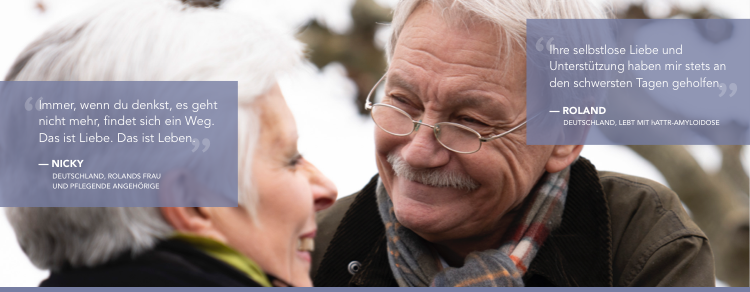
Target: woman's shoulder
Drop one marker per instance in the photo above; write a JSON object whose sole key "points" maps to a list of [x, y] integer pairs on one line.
{"points": [[172, 263]]}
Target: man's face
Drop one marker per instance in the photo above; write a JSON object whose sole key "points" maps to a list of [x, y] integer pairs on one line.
{"points": [[443, 72]]}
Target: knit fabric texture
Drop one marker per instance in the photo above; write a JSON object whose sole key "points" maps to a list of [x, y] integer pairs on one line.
{"points": [[415, 264]]}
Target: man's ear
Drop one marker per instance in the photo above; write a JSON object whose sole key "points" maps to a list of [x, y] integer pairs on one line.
{"points": [[562, 156], [177, 188]]}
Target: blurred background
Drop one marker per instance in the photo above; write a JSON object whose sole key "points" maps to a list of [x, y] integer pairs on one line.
{"points": [[345, 41]]}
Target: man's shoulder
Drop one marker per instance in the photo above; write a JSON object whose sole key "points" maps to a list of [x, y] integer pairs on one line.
{"points": [[631, 197], [328, 222], [649, 224], [330, 218]]}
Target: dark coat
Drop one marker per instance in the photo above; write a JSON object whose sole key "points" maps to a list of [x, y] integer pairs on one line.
{"points": [[172, 263], [616, 230]]}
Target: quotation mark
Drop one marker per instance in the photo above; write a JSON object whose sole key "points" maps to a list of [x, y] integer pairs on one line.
{"points": [[197, 143], [540, 47], [723, 88], [38, 104]]}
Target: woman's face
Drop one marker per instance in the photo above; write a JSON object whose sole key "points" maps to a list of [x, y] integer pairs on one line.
{"points": [[290, 191]]}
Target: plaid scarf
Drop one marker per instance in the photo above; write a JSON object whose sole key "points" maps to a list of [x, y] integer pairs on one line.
{"points": [[415, 264]]}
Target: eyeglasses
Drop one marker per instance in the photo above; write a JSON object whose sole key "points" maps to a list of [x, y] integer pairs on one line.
{"points": [[455, 137]]}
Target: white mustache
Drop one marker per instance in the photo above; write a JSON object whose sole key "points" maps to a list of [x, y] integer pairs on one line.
{"points": [[431, 177]]}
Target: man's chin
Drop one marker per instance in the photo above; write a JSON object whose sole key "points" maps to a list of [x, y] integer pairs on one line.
{"points": [[424, 219], [426, 210]]}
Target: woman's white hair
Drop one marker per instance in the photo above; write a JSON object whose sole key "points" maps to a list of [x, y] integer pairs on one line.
{"points": [[509, 16], [146, 40]]}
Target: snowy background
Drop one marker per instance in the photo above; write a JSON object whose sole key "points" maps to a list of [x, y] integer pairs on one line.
{"points": [[333, 135]]}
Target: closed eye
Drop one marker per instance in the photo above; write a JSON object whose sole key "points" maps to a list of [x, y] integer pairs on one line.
{"points": [[481, 127], [295, 160], [469, 121], [405, 104], [399, 101]]}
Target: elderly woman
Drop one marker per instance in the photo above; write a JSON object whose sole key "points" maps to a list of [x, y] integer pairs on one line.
{"points": [[266, 241]]}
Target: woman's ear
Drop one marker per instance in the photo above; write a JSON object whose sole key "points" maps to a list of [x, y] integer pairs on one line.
{"points": [[186, 219], [177, 188], [194, 220], [562, 156]]}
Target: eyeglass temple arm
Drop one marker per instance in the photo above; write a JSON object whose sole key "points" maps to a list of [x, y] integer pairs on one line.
{"points": [[368, 103], [508, 131]]}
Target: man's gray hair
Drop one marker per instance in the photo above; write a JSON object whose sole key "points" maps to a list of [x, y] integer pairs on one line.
{"points": [[146, 40], [507, 15]]}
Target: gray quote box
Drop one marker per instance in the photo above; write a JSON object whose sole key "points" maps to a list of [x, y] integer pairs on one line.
{"points": [[118, 144], [599, 82]]}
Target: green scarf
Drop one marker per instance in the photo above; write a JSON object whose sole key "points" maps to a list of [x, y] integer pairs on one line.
{"points": [[228, 255]]}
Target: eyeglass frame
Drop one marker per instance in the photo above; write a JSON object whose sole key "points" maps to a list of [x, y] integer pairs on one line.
{"points": [[369, 106]]}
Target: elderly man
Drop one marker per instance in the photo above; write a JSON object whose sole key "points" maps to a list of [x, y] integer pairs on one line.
{"points": [[461, 200]]}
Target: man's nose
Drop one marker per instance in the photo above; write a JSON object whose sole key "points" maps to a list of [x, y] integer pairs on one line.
{"points": [[424, 150], [323, 190]]}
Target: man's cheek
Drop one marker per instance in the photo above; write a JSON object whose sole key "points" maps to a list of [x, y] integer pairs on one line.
{"points": [[386, 144], [382, 144], [484, 170], [382, 148]]}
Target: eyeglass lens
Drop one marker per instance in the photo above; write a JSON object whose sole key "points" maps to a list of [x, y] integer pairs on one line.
{"points": [[452, 136]]}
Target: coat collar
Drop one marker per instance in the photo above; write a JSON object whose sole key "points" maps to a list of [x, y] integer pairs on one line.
{"points": [[577, 253], [360, 237]]}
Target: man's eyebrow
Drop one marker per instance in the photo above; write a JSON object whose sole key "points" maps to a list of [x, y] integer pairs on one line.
{"points": [[478, 102], [396, 81], [470, 101]]}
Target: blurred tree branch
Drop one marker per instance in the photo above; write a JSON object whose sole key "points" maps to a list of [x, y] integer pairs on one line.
{"points": [[356, 50], [719, 201], [718, 206], [731, 166]]}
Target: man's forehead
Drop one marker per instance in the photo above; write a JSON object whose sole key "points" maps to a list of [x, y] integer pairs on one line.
{"points": [[396, 80]]}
